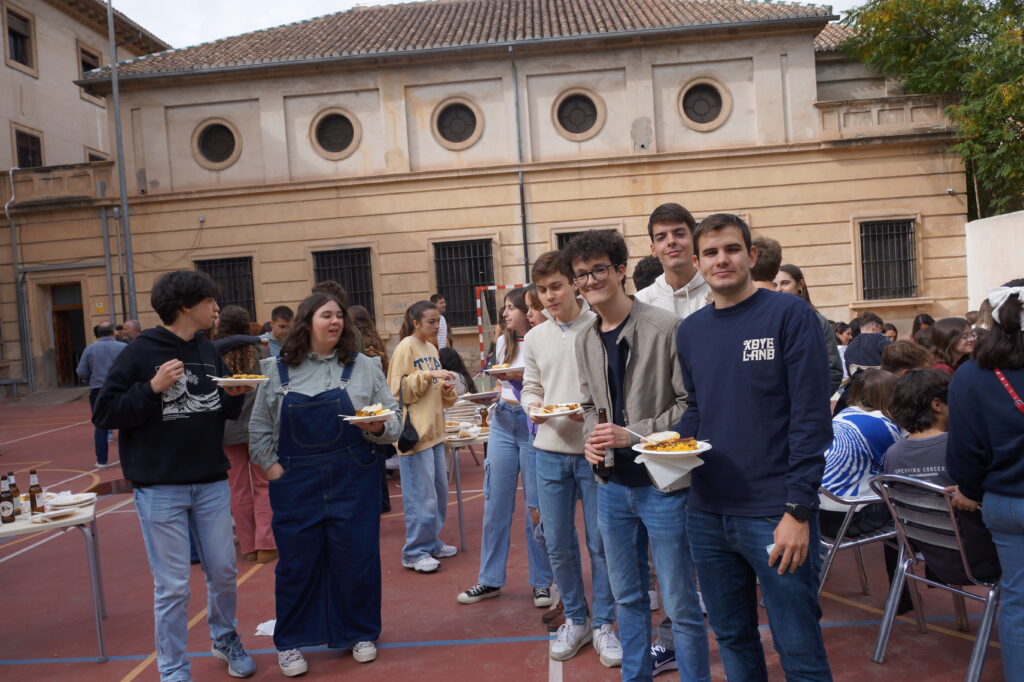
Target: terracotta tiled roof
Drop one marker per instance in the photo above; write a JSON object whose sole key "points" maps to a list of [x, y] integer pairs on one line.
{"points": [[93, 13], [831, 37], [440, 24]]}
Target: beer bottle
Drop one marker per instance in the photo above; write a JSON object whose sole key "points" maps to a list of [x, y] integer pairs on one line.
{"points": [[483, 418], [35, 494], [6, 503], [604, 471], [15, 492]]}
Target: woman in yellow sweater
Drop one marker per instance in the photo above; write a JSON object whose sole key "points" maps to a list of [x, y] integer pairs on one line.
{"points": [[415, 370]]}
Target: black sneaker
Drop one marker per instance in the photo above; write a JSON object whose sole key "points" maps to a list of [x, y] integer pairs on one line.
{"points": [[478, 593], [542, 597], [663, 659]]}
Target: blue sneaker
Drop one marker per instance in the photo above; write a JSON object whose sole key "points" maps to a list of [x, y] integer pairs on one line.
{"points": [[663, 659], [229, 649]]}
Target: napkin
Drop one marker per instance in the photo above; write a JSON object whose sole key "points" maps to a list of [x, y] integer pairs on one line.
{"points": [[666, 473], [266, 628]]}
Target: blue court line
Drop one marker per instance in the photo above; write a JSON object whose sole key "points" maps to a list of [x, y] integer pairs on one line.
{"points": [[412, 645]]}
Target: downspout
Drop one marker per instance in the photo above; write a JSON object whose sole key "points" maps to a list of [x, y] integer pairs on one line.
{"points": [[519, 173], [107, 264], [19, 294]]}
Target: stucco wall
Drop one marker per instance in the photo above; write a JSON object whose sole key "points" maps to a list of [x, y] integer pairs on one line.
{"points": [[995, 254]]}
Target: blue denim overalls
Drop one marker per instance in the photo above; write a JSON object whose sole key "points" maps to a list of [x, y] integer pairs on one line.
{"points": [[326, 523]]}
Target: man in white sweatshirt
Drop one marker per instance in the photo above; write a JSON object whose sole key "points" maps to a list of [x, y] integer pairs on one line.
{"points": [[680, 289], [563, 475]]}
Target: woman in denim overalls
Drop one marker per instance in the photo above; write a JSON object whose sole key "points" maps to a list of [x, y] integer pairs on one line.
{"points": [[324, 484]]}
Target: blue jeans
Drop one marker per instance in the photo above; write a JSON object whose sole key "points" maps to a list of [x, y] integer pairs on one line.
{"points": [[508, 452], [1004, 516], [562, 479], [424, 500], [731, 556], [166, 513], [99, 436], [628, 518]]}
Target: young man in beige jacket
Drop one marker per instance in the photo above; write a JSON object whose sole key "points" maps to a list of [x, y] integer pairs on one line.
{"points": [[563, 474]]}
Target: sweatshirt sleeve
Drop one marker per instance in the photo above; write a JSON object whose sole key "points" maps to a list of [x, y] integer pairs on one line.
{"points": [[533, 392], [417, 382], [968, 459], [126, 400], [810, 425], [689, 424]]}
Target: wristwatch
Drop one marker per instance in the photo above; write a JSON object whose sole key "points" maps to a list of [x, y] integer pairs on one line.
{"points": [[800, 512]]}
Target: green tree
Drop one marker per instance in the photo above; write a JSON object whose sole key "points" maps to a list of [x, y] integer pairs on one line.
{"points": [[973, 49]]}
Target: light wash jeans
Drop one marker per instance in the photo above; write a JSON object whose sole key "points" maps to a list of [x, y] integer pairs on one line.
{"points": [[166, 512], [424, 500], [629, 518], [562, 479], [731, 555], [509, 451], [1004, 516]]}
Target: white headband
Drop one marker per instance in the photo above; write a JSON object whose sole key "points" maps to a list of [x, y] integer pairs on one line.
{"points": [[998, 296]]}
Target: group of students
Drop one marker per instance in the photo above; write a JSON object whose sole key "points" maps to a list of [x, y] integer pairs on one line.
{"points": [[702, 351]]}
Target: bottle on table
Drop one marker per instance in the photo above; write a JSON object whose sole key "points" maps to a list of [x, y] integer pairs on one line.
{"points": [[605, 470], [15, 492], [36, 501], [483, 418], [6, 503]]}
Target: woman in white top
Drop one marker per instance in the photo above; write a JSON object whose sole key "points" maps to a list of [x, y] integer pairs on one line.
{"points": [[509, 451]]}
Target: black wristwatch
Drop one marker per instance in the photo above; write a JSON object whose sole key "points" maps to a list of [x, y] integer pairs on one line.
{"points": [[800, 512]]}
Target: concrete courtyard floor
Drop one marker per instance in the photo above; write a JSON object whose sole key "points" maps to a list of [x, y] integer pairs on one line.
{"points": [[47, 630]]}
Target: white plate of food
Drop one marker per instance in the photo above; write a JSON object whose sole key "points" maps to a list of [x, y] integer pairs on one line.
{"points": [[76, 500], [669, 444], [369, 414], [483, 398], [503, 369], [557, 410], [58, 513], [240, 380]]}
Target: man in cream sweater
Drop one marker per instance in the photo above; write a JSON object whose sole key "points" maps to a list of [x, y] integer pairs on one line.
{"points": [[563, 474]]}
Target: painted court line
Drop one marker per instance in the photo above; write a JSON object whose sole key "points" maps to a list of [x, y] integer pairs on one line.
{"points": [[43, 433], [59, 532]]}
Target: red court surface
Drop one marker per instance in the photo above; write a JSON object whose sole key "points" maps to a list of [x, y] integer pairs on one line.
{"points": [[47, 630]]}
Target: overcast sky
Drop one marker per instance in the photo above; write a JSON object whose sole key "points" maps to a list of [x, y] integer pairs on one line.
{"points": [[190, 22]]}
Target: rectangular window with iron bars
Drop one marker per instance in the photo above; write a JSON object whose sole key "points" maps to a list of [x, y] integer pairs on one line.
{"points": [[460, 267], [888, 253], [234, 277], [351, 269]]}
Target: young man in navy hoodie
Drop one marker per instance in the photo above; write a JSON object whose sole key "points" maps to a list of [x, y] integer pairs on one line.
{"points": [[756, 374], [171, 414]]}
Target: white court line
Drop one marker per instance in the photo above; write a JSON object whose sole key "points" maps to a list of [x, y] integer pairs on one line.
{"points": [[554, 667], [61, 531], [84, 473], [43, 433]]}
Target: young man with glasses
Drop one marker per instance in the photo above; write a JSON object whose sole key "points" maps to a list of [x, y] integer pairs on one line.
{"points": [[757, 386], [628, 367], [563, 474]]}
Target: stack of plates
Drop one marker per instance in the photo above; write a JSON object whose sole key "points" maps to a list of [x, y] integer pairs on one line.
{"points": [[58, 506]]}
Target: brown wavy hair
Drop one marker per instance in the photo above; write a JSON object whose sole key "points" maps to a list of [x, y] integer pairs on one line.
{"points": [[944, 336], [373, 344], [234, 320], [300, 339]]}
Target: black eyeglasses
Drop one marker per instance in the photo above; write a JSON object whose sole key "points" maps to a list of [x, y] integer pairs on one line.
{"points": [[599, 273]]}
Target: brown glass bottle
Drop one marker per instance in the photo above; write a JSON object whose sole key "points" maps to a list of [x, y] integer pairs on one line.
{"points": [[15, 492], [604, 471], [6, 503], [483, 418], [35, 494]]}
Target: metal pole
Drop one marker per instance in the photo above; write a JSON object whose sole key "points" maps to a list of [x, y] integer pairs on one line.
{"points": [[122, 182], [106, 262], [24, 338], [519, 174]]}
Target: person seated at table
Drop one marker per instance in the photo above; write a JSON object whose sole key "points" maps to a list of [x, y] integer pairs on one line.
{"points": [[324, 484], [452, 361]]}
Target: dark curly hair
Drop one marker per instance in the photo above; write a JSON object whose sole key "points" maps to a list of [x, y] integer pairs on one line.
{"points": [[647, 270], [180, 289], [912, 396], [300, 339], [1003, 346], [595, 244], [944, 336]]}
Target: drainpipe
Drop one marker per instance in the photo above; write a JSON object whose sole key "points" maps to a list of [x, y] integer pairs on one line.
{"points": [[19, 293], [122, 182], [106, 263], [519, 173]]}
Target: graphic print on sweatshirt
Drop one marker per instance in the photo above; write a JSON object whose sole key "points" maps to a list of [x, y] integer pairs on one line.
{"points": [[427, 364], [758, 349], [183, 397]]}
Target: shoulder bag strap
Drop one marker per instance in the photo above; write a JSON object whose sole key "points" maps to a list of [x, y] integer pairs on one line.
{"points": [[1009, 389]]}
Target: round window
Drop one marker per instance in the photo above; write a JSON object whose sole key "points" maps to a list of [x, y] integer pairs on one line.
{"points": [[217, 143], [456, 123], [577, 114], [702, 103], [335, 133]]}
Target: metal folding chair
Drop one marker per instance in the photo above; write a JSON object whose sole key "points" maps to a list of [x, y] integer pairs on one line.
{"points": [[840, 542], [923, 513]]}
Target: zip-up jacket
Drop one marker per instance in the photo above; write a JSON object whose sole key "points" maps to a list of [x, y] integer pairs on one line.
{"points": [[552, 376]]}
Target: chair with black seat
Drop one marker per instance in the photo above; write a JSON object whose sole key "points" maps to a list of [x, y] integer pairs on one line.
{"points": [[924, 518], [840, 542]]}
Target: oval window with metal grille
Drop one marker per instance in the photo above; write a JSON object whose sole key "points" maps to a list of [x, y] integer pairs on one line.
{"points": [[702, 103], [335, 133], [456, 123], [217, 143], [577, 114]]}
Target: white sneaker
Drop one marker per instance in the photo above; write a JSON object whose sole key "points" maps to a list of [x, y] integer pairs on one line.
{"points": [[445, 552], [607, 646], [569, 639], [292, 663], [425, 564], [364, 652]]}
